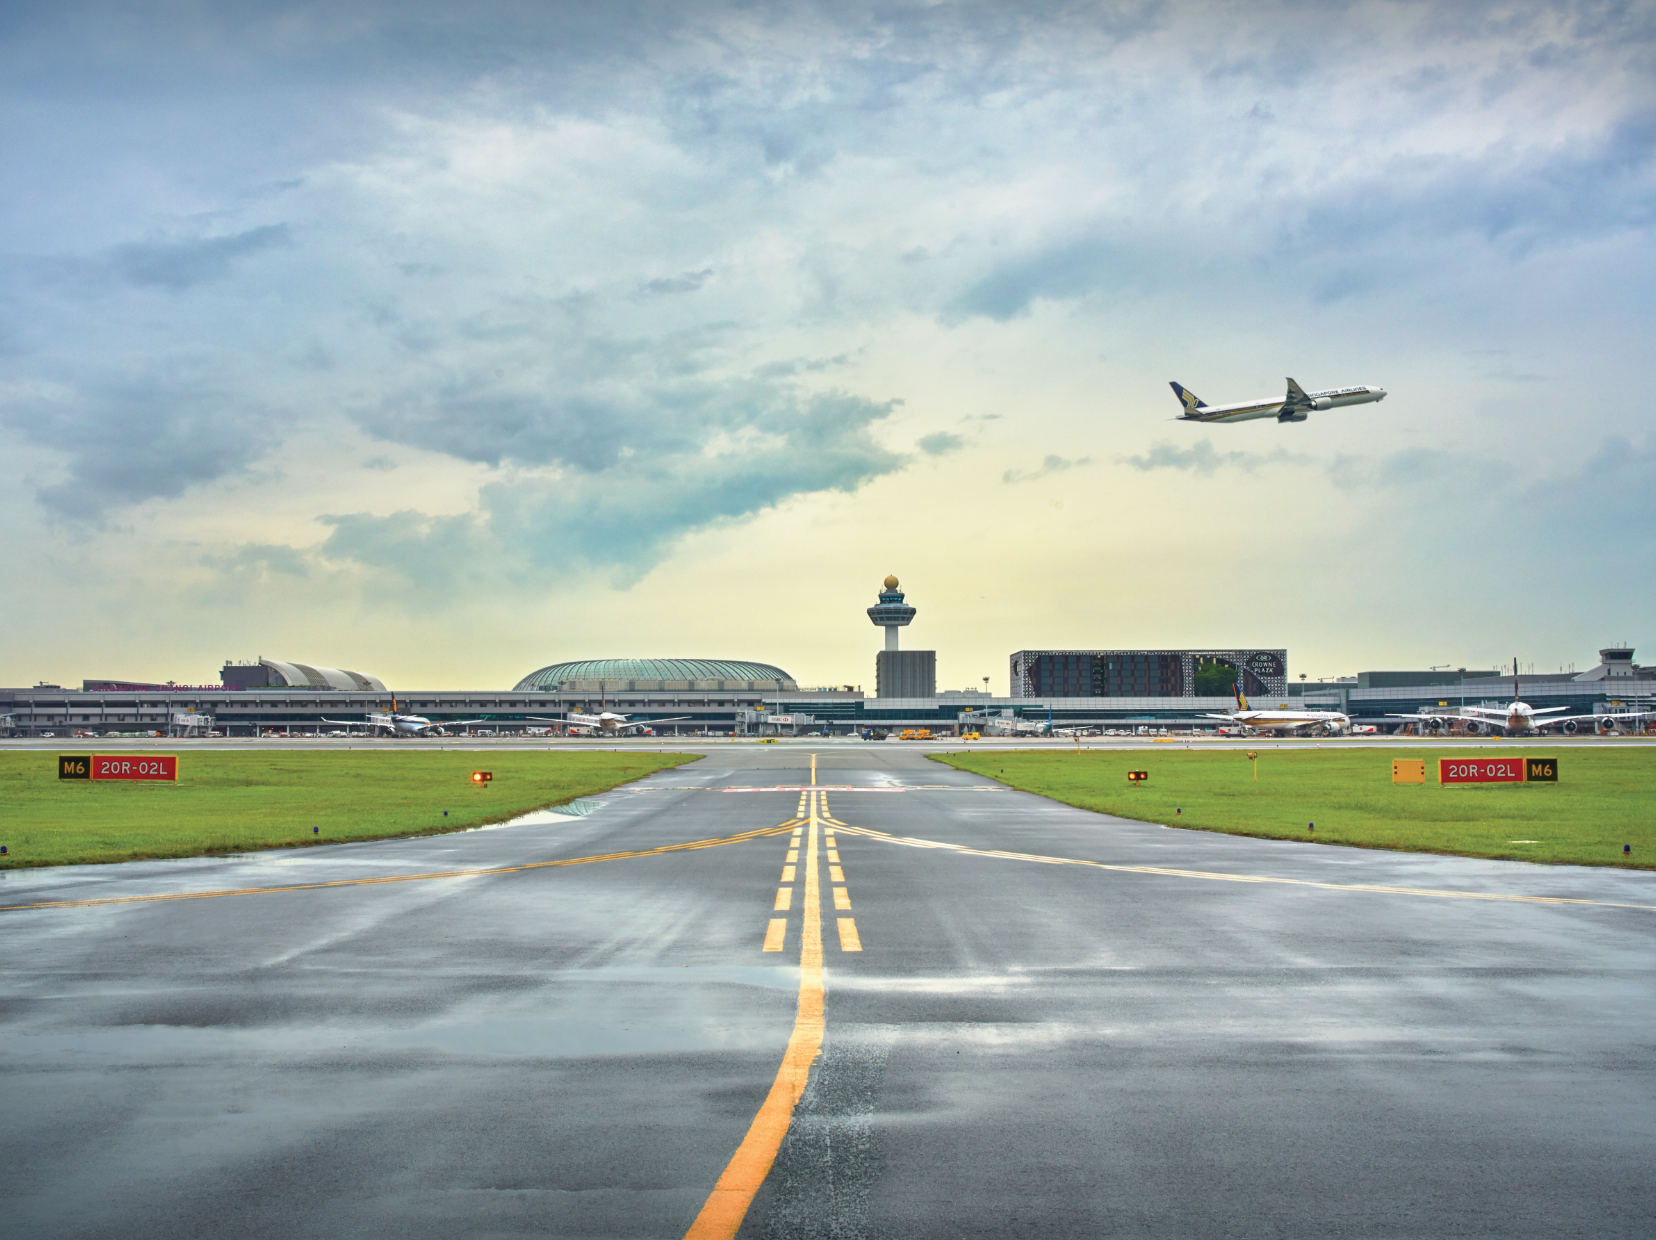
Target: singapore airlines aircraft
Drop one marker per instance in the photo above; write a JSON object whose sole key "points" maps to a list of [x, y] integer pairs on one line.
{"points": [[403, 725], [1332, 722], [1294, 407], [607, 722], [1517, 718]]}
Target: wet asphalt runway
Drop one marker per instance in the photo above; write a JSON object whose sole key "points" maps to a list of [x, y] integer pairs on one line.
{"points": [[1018, 1049]]}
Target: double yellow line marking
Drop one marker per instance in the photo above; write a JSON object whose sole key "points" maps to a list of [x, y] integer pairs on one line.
{"points": [[722, 1214]]}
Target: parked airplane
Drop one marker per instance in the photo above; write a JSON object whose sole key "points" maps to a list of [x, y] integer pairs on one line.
{"points": [[403, 725], [1294, 407], [1517, 717], [607, 722], [1332, 722]]}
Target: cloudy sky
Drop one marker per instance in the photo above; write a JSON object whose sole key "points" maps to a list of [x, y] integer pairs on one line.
{"points": [[445, 342]]}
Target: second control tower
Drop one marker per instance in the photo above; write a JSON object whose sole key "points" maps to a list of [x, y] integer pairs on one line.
{"points": [[900, 673]]}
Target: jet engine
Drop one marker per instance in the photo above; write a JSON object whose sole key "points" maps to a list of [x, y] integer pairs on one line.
{"points": [[1474, 728], [1292, 415], [1606, 727], [1325, 402], [1569, 727]]}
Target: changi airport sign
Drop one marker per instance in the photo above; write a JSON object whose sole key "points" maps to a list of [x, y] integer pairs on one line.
{"points": [[113, 766], [1497, 770]]}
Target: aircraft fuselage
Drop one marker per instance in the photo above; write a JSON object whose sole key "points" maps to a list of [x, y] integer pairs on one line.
{"points": [[1283, 410]]}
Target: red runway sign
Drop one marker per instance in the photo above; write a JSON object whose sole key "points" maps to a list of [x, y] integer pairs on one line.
{"points": [[1480, 770], [110, 766]]}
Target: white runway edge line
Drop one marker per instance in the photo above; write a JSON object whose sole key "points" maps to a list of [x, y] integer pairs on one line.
{"points": [[1215, 876]]}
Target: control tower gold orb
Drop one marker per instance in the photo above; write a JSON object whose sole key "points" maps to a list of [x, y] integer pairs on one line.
{"points": [[890, 613]]}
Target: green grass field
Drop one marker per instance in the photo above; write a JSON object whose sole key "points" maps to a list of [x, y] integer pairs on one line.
{"points": [[231, 802], [1605, 797]]}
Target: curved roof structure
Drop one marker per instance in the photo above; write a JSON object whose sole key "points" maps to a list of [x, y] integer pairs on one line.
{"points": [[304, 676], [687, 670]]}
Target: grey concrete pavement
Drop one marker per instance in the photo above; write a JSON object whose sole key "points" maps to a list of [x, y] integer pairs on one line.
{"points": [[1018, 1049]]}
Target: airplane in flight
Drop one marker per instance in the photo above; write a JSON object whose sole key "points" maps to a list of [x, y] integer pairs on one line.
{"points": [[1517, 717], [1294, 407], [404, 725], [1333, 722], [607, 722]]}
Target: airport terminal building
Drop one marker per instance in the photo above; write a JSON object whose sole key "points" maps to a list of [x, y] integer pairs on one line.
{"points": [[1104, 688], [716, 696]]}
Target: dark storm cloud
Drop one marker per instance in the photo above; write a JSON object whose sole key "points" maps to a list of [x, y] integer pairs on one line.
{"points": [[939, 443], [586, 400], [180, 264], [689, 282], [626, 518], [128, 439], [1069, 269]]}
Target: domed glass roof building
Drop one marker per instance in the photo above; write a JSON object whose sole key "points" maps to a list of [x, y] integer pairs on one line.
{"points": [[643, 674]]}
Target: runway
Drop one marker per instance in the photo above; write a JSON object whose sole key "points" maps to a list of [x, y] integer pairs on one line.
{"points": [[1000, 1016]]}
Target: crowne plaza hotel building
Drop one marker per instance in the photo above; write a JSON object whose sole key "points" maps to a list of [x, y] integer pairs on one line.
{"points": [[1148, 673]]}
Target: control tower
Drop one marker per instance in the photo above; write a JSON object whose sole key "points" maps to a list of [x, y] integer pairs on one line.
{"points": [[900, 673], [891, 613]]}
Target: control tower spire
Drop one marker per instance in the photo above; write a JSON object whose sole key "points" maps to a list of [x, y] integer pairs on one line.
{"points": [[891, 613]]}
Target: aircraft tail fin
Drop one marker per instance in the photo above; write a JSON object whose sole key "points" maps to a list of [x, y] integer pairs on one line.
{"points": [[1189, 399], [1241, 702]]}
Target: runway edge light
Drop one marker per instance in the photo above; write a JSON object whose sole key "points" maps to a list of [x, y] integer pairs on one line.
{"points": [[482, 777]]}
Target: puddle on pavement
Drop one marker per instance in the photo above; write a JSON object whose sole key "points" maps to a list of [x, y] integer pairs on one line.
{"points": [[574, 811], [615, 1010], [621, 1013]]}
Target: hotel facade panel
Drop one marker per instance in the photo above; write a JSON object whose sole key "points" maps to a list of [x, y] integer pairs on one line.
{"points": [[1148, 673]]}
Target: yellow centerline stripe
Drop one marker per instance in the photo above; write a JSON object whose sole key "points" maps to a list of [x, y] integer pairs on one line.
{"points": [[1214, 876], [849, 942], [722, 1214], [400, 878]]}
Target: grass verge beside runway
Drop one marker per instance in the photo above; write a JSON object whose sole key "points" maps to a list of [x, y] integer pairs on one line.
{"points": [[233, 802], [1605, 797]]}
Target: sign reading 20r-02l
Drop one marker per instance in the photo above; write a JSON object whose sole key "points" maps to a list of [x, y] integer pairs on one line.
{"points": [[116, 766], [1497, 770]]}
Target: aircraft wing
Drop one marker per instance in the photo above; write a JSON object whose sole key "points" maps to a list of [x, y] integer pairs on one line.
{"points": [[455, 723], [650, 723], [1603, 714], [1480, 713], [360, 723], [1296, 398], [572, 720]]}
